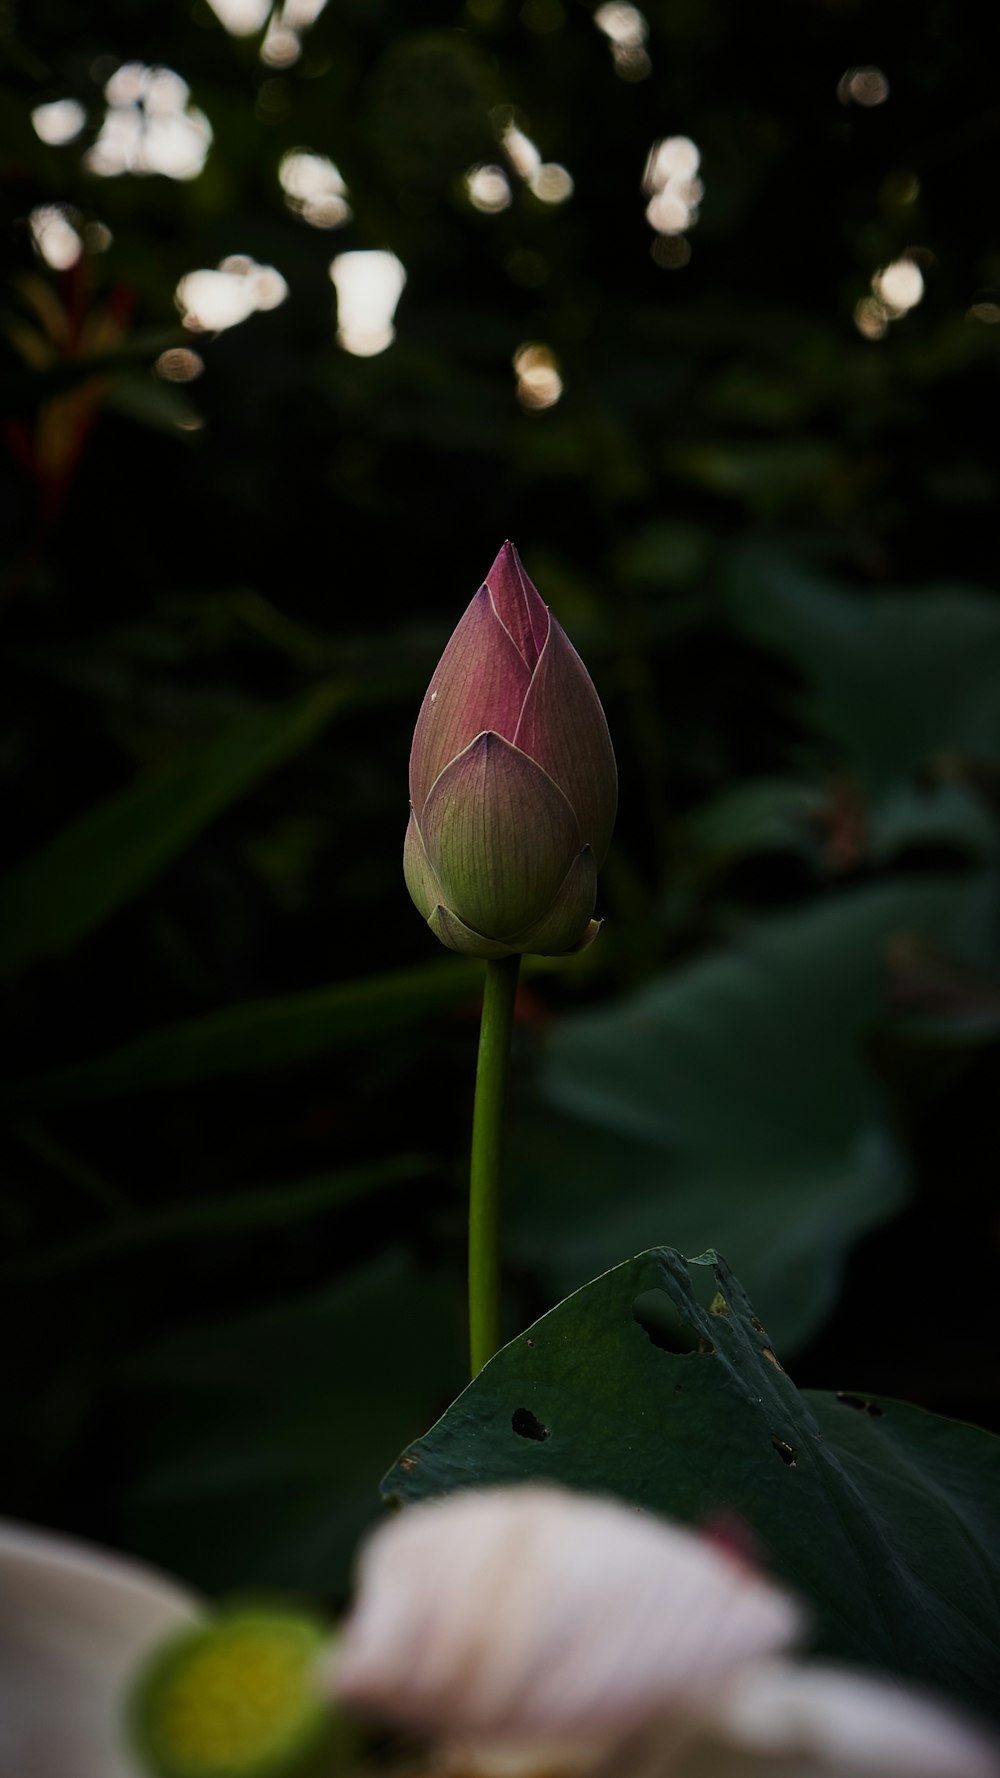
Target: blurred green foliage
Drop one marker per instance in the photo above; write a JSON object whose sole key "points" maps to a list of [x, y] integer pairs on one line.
{"points": [[236, 1119]]}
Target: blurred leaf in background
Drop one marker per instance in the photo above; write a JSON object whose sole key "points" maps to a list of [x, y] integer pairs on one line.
{"points": [[729, 1099], [338, 1379]]}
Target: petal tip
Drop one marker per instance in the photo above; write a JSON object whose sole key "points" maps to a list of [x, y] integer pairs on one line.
{"points": [[518, 604]]}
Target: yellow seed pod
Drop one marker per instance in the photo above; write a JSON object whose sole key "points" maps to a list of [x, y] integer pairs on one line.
{"points": [[236, 1698]]}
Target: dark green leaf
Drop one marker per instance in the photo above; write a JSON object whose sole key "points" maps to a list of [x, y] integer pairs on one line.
{"points": [[657, 1383], [764, 815], [239, 1213], [728, 1101], [91, 868], [943, 816], [895, 677], [258, 1035], [258, 1444]]}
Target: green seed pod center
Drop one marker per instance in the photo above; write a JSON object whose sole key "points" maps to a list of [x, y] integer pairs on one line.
{"points": [[236, 1699]]}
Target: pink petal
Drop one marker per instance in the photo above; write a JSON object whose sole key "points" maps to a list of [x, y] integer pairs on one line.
{"points": [[563, 727], [531, 1612], [518, 604], [478, 684], [500, 837]]}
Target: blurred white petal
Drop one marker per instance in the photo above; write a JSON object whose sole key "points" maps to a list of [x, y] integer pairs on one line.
{"points": [[532, 1613], [847, 1725], [74, 1623], [785, 1720]]}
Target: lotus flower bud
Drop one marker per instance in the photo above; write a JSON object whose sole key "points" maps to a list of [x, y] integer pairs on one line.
{"points": [[513, 786]]}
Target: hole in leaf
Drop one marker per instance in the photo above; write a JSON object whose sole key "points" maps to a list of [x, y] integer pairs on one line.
{"points": [[861, 1402], [718, 1305], [758, 1326], [785, 1451], [527, 1425], [664, 1325]]}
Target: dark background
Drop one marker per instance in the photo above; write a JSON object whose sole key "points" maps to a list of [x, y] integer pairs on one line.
{"points": [[238, 1097]]}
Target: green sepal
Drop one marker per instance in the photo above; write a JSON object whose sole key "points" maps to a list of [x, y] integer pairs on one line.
{"points": [[419, 873], [500, 836], [565, 927], [454, 933]]}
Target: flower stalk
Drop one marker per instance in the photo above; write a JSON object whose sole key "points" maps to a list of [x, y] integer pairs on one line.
{"points": [[513, 790], [485, 1173]]}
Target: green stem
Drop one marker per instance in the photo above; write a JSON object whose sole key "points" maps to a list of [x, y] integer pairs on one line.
{"points": [[487, 1159]]}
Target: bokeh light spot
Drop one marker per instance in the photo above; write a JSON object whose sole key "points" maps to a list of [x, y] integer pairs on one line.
{"points": [[54, 236], [863, 86], [488, 189], [626, 29], [179, 365], [871, 318], [899, 286], [552, 184], [314, 188], [539, 384], [670, 179], [524, 157], [282, 45], [59, 122], [150, 126], [211, 301], [369, 285], [241, 18]]}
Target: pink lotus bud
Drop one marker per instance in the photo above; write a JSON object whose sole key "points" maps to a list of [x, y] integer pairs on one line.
{"points": [[516, 1614], [513, 786]]}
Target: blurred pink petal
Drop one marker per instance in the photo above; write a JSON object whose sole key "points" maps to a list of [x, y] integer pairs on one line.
{"points": [[531, 1613]]}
